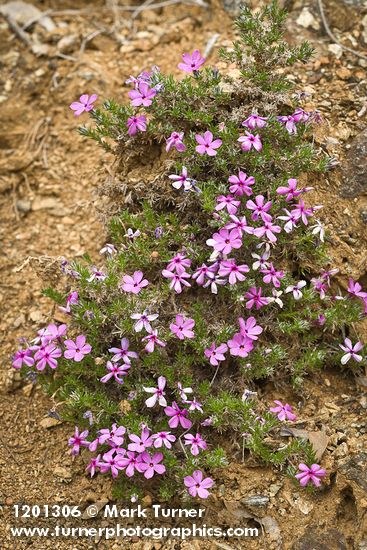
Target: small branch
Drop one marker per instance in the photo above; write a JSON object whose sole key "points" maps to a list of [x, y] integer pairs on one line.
{"points": [[13, 25]]}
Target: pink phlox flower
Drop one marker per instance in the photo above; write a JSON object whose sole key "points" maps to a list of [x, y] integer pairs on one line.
{"points": [[195, 405], [163, 438], [142, 95], [318, 229], [178, 416], [255, 298], [135, 124], [191, 62], [255, 121], [241, 184], [182, 327], [123, 352], [54, 332], [240, 345], [153, 340], [283, 412], [85, 104], [240, 224], [228, 202], [158, 394], [271, 275], [176, 140], [179, 263], [114, 437], [197, 485], [78, 440], [96, 275], [23, 356], [202, 273], [326, 274], [143, 320], [291, 191], [291, 219], [111, 461], [183, 392], [300, 211], [196, 442], [150, 465], [129, 463], [249, 141], [116, 371], [71, 300], [351, 351], [234, 272], [180, 180], [312, 474], [249, 328], [321, 286], [140, 444], [289, 122], [259, 208], [207, 144], [262, 260], [47, 355], [213, 284], [296, 289], [275, 298], [177, 280], [131, 234], [355, 289], [93, 465], [224, 241], [134, 283], [300, 115], [215, 353], [267, 230]]}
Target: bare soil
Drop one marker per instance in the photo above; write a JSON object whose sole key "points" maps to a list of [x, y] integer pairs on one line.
{"points": [[48, 176]]}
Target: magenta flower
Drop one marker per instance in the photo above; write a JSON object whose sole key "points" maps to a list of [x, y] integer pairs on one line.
{"points": [[267, 230], [240, 345], [135, 283], [176, 140], [249, 328], [142, 95], [262, 260], [302, 212], [47, 356], [158, 394], [228, 202], [135, 124], [76, 350], [225, 240], [150, 465], [179, 263], [355, 289], [178, 416], [77, 441], [250, 141], [291, 220], [140, 444], [182, 327], [289, 122], [234, 271], [259, 208], [197, 485], [207, 144], [271, 275], [215, 353], [191, 63], [291, 191], [123, 352], [93, 465], [240, 224], [23, 356], [312, 474], [296, 289], [116, 371], [283, 412], [202, 273], [111, 462], [255, 298], [129, 463], [84, 104], [152, 340], [255, 121], [163, 438], [351, 351], [71, 300], [113, 437], [177, 280], [241, 184], [143, 320], [196, 442], [183, 391]]}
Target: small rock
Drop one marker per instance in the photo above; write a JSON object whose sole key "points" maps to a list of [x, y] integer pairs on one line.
{"points": [[147, 501], [23, 13], [255, 500], [328, 540], [336, 50], [27, 390], [35, 316], [24, 205], [19, 321], [62, 473], [68, 44], [363, 215], [274, 489], [307, 20], [49, 422]]}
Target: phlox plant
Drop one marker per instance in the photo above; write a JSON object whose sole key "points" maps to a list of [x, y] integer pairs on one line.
{"points": [[215, 276]]}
